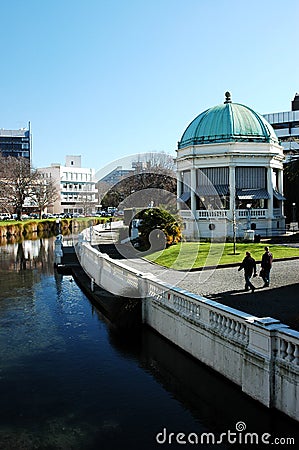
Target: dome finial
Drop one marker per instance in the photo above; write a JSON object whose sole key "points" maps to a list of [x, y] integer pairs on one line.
{"points": [[228, 98]]}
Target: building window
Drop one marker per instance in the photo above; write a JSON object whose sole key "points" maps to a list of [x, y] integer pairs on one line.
{"points": [[213, 175], [255, 204], [186, 179], [275, 179], [276, 203], [251, 177]]}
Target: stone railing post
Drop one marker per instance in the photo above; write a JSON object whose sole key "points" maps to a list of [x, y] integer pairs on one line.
{"points": [[258, 379], [143, 293]]}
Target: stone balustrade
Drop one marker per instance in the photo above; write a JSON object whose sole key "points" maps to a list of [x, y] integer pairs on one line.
{"points": [[230, 327], [288, 347], [259, 354]]}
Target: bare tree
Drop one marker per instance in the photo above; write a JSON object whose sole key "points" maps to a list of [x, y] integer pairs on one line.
{"points": [[44, 192], [17, 179], [85, 203], [102, 188], [152, 171], [158, 162], [5, 200]]}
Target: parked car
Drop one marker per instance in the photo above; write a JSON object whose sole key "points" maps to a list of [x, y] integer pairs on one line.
{"points": [[48, 216], [5, 216]]}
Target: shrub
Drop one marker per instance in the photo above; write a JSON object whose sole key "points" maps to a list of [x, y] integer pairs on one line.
{"points": [[158, 229]]}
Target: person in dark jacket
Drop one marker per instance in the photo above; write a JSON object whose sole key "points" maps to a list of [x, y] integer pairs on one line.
{"points": [[266, 266], [249, 266]]}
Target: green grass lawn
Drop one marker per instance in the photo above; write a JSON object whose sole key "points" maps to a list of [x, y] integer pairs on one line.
{"points": [[189, 255], [4, 223]]}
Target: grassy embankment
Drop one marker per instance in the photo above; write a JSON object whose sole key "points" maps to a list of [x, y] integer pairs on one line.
{"points": [[192, 255]]}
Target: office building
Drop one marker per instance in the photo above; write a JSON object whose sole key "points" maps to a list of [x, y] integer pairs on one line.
{"points": [[76, 186], [116, 175], [16, 143], [286, 126]]}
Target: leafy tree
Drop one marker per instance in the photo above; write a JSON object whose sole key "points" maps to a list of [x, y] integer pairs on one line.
{"points": [[158, 229], [291, 188]]}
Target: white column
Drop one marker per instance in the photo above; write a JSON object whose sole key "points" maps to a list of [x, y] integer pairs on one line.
{"points": [[193, 203], [232, 189], [270, 192], [193, 190], [179, 187], [280, 181], [280, 188], [232, 200]]}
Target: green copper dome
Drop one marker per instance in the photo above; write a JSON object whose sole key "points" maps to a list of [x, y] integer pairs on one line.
{"points": [[228, 122]]}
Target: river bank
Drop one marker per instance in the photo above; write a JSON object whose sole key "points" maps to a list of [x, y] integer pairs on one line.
{"points": [[13, 231]]}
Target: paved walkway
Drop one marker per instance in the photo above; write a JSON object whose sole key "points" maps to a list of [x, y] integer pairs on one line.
{"points": [[226, 286]]}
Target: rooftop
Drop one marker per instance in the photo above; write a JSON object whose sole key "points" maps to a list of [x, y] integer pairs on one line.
{"points": [[228, 122]]}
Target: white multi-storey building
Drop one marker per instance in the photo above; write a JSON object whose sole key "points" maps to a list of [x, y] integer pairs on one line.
{"points": [[76, 186]]}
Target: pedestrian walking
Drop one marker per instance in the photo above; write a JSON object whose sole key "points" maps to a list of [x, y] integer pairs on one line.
{"points": [[249, 266], [266, 266]]}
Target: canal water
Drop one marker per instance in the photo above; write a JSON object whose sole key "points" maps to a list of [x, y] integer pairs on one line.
{"points": [[69, 380]]}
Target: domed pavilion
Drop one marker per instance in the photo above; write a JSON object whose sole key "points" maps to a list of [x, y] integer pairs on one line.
{"points": [[230, 174]]}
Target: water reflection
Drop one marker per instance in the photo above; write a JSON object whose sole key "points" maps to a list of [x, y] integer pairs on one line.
{"points": [[22, 265], [27, 254]]}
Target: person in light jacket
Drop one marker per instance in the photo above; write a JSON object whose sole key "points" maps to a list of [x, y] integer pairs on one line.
{"points": [[266, 266]]}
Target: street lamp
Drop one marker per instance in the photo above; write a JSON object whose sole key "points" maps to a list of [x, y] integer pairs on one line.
{"points": [[294, 212], [248, 207], [234, 230]]}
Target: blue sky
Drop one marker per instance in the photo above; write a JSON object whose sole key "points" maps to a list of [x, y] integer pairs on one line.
{"points": [[109, 78]]}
